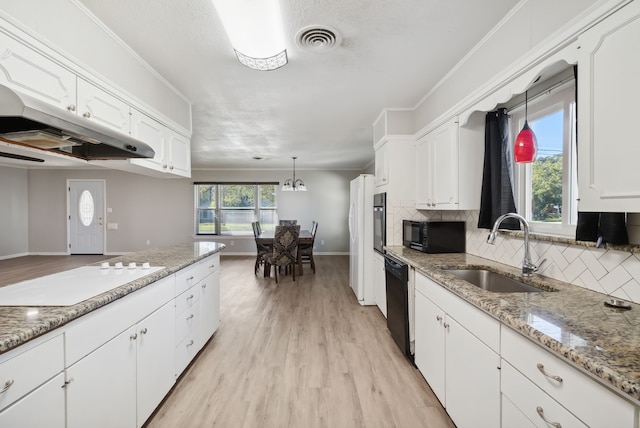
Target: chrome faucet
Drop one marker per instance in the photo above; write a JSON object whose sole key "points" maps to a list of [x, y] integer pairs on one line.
{"points": [[528, 268]]}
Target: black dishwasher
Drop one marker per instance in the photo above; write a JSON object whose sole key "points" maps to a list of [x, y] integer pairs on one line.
{"points": [[397, 278]]}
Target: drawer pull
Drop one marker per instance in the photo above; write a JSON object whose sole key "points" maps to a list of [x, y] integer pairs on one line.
{"points": [[7, 385], [212, 266], [134, 336], [204, 285], [189, 317], [143, 331], [438, 318], [446, 325], [556, 378], [190, 297], [190, 278], [191, 342], [541, 414]]}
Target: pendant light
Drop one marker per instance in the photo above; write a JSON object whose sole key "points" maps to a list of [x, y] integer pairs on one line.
{"points": [[293, 185], [526, 145]]}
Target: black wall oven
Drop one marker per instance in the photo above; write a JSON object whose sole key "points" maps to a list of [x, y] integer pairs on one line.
{"points": [[379, 222]]}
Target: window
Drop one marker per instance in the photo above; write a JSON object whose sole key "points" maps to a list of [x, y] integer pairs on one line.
{"points": [[546, 190], [230, 208]]}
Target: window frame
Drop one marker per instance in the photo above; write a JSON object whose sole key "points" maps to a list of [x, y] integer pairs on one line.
{"points": [[560, 97], [219, 209]]}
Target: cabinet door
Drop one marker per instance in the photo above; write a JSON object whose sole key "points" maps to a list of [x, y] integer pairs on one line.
{"points": [[430, 344], [44, 407], [423, 183], [155, 359], [444, 166], [379, 283], [153, 133], [179, 154], [512, 416], [209, 306], [102, 385], [473, 379], [382, 165], [103, 108], [608, 92], [24, 69]]}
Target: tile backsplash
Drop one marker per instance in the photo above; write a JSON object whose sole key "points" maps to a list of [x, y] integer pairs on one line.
{"points": [[610, 272]]}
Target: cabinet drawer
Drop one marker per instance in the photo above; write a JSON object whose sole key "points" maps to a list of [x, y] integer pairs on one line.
{"points": [[187, 299], [29, 369], [190, 276], [577, 392], [43, 407], [187, 324], [481, 325], [91, 331], [528, 398], [185, 352]]}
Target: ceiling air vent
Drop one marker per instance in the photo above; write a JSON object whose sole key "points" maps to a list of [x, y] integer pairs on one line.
{"points": [[319, 38]]}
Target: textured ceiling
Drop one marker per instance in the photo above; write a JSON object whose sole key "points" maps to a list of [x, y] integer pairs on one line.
{"points": [[321, 106]]}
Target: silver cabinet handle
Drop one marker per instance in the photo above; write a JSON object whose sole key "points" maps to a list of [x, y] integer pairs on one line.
{"points": [[171, 167], [556, 378], [143, 331], [212, 266], [204, 285], [134, 336], [71, 107], [190, 343], [190, 297], [86, 115], [190, 316], [164, 166], [190, 278], [446, 325], [541, 414], [438, 318], [7, 385]]}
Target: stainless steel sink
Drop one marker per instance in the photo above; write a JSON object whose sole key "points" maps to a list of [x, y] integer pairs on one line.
{"points": [[491, 281]]}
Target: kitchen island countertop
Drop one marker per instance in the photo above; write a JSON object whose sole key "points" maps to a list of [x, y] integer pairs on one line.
{"points": [[19, 324], [572, 322]]}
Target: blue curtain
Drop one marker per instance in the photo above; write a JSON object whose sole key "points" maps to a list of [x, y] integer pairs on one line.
{"points": [[497, 192]]}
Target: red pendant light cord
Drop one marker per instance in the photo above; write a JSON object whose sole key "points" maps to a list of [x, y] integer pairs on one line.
{"points": [[526, 144]]}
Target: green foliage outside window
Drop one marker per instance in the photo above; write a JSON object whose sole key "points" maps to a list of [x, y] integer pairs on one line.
{"points": [[547, 188]]}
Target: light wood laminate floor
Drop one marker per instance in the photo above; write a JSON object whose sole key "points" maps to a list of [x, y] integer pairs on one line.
{"points": [[298, 354]]}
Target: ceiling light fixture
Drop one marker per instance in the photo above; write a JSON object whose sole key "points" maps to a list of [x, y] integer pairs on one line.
{"points": [[293, 185], [526, 145], [255, 30]]}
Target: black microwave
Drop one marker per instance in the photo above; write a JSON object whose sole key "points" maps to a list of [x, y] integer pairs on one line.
{"points": [[434, 236]]}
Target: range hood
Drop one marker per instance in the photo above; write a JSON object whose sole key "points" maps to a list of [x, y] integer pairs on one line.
{"points": [[27, 121]]}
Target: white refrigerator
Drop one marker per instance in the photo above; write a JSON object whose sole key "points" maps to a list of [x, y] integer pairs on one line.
{"points": [[361, 239]]}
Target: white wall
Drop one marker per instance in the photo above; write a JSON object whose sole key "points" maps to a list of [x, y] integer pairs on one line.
{"points": [[162, 210], [14, 210]]}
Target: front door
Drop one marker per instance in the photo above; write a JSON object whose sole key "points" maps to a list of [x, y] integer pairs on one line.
{"points": [[86, 216]]}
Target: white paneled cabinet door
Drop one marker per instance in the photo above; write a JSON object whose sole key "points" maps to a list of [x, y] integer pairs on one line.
{"points": [[179, 154], [24, 69], [473, 379], [155, 359], [609, 90], [430, 344], [101, 107], [382, 165], [44, 407], [379, 283], [209, 306], [423, 183], [151, 132], [102, 386]]}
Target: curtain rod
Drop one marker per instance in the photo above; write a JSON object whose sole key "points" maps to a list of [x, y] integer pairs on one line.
{"points": [[545, 91]]}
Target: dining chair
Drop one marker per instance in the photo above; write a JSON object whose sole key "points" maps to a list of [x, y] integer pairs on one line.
{"points": [[288, 222], [261, 249], [305, 252], [285, 250], [259, 227]]}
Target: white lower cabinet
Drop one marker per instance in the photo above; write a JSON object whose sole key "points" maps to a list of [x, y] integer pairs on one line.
{"points": [[379, 283], [542, 385], [456, 351], [42, 408], [209, 306]]}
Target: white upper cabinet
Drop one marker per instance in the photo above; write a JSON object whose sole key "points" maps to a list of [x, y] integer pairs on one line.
{"points": [[448, 169], [28, 71], [608, 93], [178, 160], [382, 165], [101, 107]]}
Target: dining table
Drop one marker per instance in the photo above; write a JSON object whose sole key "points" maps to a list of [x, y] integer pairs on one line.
{"points": [[266, 238]]}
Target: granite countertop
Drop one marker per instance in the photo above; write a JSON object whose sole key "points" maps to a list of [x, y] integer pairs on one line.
{"points": [[572, 322], [19, 324]]}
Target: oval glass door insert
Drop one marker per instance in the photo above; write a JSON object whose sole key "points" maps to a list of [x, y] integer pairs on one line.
{"points": [[86, 208]]}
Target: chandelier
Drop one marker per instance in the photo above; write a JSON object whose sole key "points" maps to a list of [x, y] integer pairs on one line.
{"points": [[293, 185]]}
